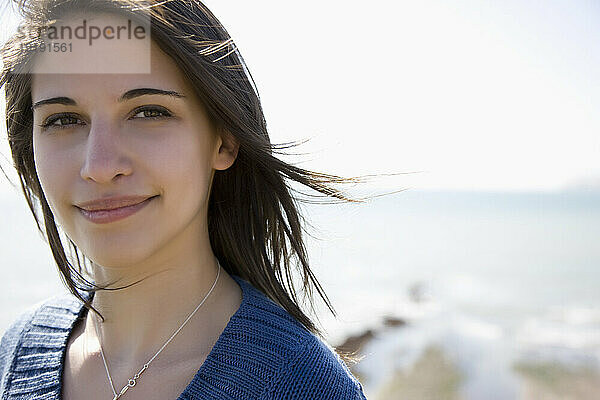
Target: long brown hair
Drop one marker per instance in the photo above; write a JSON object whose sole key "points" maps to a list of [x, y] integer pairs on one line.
{"points": [[255, 227]]}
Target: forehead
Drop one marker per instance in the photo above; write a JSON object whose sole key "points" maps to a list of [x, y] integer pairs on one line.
{"points": [[162, 71]]}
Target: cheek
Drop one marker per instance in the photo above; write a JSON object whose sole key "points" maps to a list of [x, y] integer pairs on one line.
{"points": [[42, 168], [51, 174], [188, 174], [188, 180], [185, 162]]}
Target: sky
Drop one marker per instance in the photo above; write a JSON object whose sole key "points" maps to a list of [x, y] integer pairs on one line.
{"points": [[470, 95]]}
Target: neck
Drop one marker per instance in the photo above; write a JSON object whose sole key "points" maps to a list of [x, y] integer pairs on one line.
{"points": [[141, 318]]}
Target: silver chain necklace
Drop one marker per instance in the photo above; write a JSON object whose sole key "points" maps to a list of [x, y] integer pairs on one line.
{"points": [[132, 382]]}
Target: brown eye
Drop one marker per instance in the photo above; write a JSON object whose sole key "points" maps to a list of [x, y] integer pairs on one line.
{"points": [[66, 120], [151, 113]]}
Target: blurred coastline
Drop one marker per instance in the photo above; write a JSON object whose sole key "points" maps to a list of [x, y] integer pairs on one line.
{"points": [[469, 295], [403, 360]]}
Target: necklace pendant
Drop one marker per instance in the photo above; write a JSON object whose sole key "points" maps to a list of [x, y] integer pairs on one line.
{"points": [[125, 388]]}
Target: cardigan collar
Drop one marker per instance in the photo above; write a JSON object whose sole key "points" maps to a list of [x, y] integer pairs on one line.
{"points": [[37, 370]]}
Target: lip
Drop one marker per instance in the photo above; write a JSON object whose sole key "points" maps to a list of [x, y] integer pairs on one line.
{"points": [[110, 203], [103, 211]]}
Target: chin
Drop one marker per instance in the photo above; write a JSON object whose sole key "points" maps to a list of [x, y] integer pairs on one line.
{"points": [[117, 255]]}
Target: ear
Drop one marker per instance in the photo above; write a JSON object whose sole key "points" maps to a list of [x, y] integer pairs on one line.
{"points": [[227, 151]]}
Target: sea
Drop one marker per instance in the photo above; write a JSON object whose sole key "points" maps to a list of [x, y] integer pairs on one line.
{"points": [[495, 279]]}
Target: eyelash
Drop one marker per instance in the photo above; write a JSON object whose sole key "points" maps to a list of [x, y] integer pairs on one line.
{"points": [[50, 121]]}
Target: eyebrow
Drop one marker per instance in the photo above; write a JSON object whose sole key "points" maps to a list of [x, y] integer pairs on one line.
{"points": [[67, 101]]}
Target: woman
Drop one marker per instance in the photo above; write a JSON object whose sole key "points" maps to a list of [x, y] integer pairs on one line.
{"points": [[164, 185]]}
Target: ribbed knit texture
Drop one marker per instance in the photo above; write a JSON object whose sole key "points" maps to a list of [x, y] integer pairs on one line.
{"points": [[263, 354]]}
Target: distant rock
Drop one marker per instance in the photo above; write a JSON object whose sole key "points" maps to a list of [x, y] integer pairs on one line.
{"points": [[548, 380], [393, 322], [434, 376], [356, 343]]}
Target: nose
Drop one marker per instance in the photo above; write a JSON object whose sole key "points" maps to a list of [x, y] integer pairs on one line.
{"points": [[105, 157]]}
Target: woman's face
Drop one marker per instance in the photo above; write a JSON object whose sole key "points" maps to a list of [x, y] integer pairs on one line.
{"points": [[113, 141]]}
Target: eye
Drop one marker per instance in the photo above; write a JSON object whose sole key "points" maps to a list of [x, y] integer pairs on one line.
{"points": [[151, 112], [66, 120]]}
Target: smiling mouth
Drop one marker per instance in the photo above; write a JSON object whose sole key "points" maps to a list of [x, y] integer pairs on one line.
{"points": [[111, 203], [104, 216]]}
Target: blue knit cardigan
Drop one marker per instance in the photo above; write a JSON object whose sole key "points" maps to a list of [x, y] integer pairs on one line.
{"points": [[263, 353]]}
